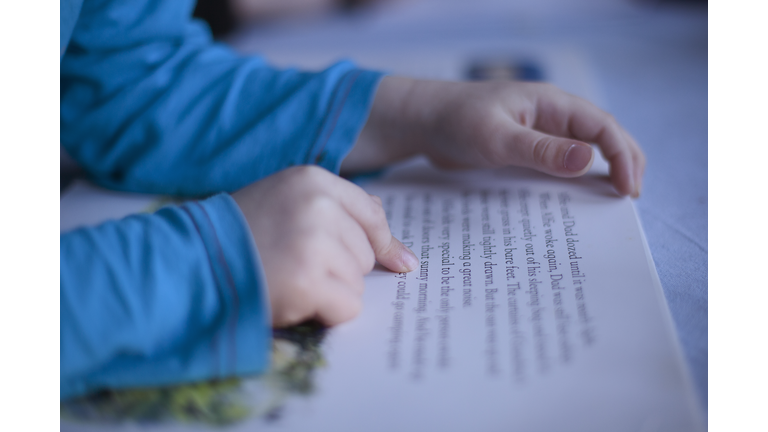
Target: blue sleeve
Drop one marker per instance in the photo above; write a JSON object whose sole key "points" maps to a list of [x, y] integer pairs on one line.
{"points": [[150, 104], [164, 298]]}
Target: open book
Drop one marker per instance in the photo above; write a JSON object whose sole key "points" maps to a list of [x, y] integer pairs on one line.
{"points": [[536, 307]]}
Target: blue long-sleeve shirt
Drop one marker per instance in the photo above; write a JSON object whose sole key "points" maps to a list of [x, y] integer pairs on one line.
{"points": [[150, 104]]}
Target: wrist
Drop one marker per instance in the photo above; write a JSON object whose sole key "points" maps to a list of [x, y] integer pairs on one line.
{"points": [[395, 128]]}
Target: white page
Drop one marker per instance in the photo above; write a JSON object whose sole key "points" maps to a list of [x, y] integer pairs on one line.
{"points": [[580, 339]]}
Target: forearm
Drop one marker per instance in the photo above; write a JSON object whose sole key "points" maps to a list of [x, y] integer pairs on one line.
{"points": [[155, 299], [150, 104]]}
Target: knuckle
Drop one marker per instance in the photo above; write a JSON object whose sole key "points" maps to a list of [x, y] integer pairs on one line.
{"points": [[540, 150], [375, 219], [302, 280], [309, 172], [609, 120], [315, 245], [309, 264], [321, 206], [377, 212], [498, 151]]}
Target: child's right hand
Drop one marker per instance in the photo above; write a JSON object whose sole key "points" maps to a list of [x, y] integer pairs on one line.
{"points": [[318, 235]]}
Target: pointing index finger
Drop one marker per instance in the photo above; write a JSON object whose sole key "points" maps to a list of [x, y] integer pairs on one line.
{"points": [[369, 213]]}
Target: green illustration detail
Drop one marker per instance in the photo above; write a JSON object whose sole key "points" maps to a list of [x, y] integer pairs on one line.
{"points": [[296, 354]]}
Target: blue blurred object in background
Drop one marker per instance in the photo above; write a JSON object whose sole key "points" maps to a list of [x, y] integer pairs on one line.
{"points": [[501, 68]]}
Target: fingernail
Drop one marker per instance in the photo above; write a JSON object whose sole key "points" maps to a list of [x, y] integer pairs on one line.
{"points": [[410, 261], [577, 157]]}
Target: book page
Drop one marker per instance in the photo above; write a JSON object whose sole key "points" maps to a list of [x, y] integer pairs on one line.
{"points": [[536, 307]]}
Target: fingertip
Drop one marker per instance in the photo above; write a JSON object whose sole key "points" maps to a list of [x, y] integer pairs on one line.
{"points": [[632, 181], [625, 188], [622, 174], [410, 260], [638, 188], [398, 257], [639, 173]]}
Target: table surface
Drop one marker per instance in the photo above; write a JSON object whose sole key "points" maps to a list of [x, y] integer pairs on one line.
{"points": [[650, 65]]}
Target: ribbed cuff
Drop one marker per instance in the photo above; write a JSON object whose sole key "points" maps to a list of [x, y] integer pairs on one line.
{"points": [[349, 111], [245, 338], [186, 294]]}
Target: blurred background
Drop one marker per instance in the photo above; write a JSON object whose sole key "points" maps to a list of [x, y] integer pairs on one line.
{"points": [[643, 61]]}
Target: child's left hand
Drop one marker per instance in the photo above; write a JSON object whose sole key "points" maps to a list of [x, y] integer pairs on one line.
{"points": [[493, 124]]}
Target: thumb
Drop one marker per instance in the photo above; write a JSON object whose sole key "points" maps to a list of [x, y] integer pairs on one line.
{"points": [[557, 156]]}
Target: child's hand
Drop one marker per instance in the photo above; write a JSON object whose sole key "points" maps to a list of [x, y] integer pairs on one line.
{"points": [[492, 124], [318, 235]]}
